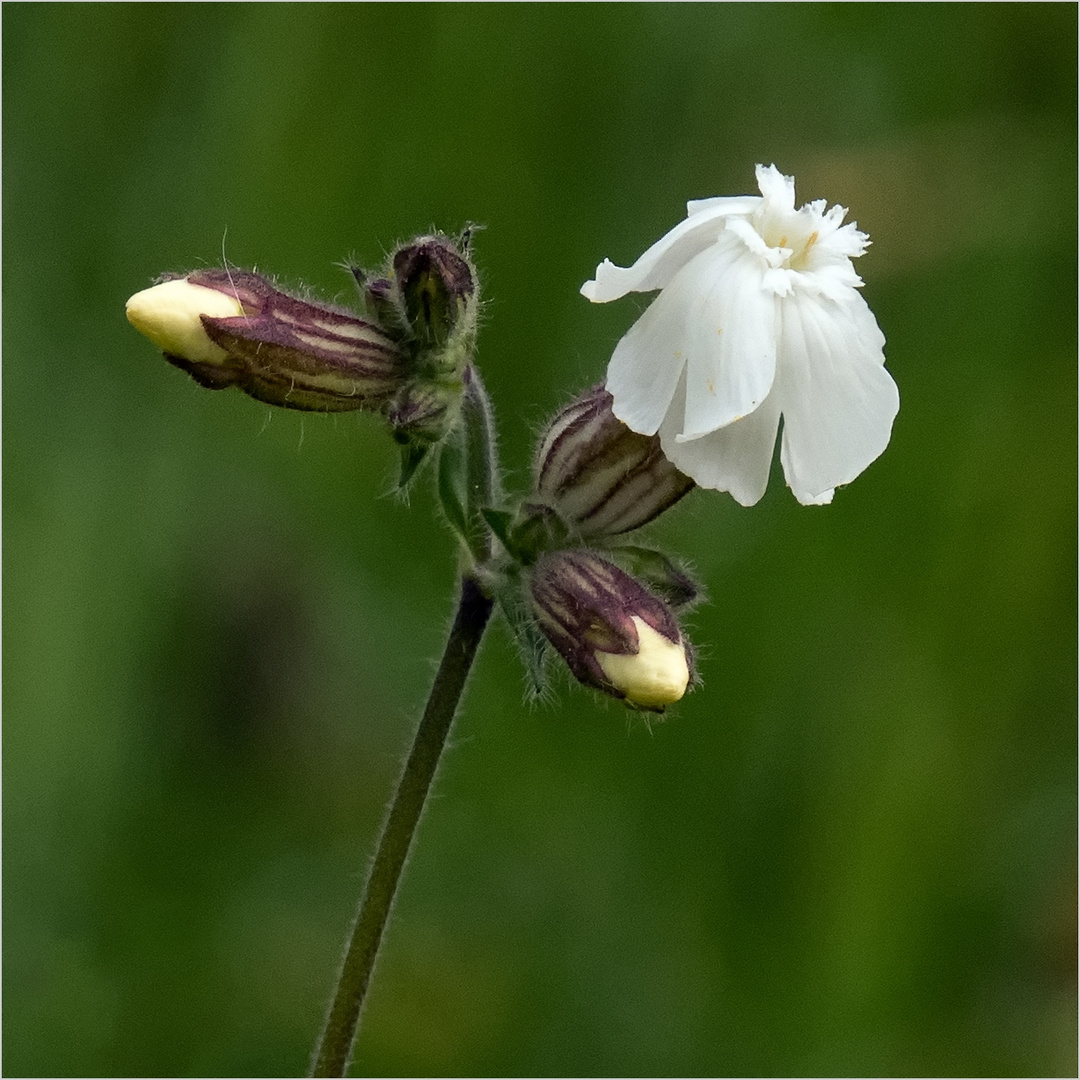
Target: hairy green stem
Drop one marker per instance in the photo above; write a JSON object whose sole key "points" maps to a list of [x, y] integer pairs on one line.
{"points": [[332, 1053]]}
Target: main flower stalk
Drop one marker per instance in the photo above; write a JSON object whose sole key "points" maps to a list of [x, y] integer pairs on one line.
{"points": [[331, 1056]]}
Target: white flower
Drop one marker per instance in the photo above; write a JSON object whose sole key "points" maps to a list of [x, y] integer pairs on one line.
{"points": [[758, 317]]}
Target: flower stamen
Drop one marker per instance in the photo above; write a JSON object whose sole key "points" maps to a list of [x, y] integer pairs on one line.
{"points": [[799, 260]]}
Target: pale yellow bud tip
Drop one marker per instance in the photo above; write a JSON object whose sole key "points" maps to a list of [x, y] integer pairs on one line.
{"points": [[657, 674], [168, 314]]}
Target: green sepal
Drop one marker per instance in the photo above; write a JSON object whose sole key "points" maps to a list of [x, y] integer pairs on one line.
{"points": [[484, 486], [467, 475], [499, 521], [527, 534], [451, 484], [659, 575], [412, 457], [531, 644]]}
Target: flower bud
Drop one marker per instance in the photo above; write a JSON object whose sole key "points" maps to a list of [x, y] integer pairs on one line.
{"points": [[438, 291], [422, 412], [234, 328], [613, 634], [600, 477]]}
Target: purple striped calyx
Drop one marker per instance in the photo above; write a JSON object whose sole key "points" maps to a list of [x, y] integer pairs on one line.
{"points": [[597, 475], [228, 327]]}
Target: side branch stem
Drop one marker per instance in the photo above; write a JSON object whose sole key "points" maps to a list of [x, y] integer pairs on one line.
{"points": [[331, 1056]]}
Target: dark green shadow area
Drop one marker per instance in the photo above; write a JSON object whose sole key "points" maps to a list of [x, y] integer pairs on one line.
{"points": [[851, 852]]}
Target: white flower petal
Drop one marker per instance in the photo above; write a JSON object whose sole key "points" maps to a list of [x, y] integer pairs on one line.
{"points": [[844, 240], [656, 268], [729, 205], [724, 322], [838, 400], [736, 458], [645, 367], [755, 242], [836, 281], [777, 189]]}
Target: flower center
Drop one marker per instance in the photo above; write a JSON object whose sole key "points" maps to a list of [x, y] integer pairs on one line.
{"points": [[800, 257], [792, 236]]}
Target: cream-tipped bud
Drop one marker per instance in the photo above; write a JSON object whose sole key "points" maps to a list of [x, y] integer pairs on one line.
{"points": [[612, 632], [235, 328], [656, 675], [170, 315]]}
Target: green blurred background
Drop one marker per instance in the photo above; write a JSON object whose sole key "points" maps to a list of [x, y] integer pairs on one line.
{"points": [[853, 851]]}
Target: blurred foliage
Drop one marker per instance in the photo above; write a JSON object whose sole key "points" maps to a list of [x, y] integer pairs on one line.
{"points": [[852, 852]]}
